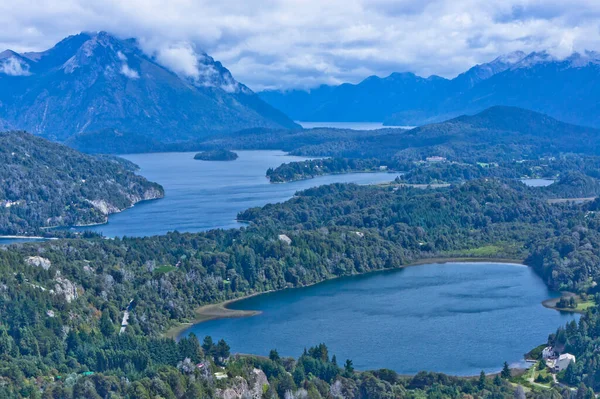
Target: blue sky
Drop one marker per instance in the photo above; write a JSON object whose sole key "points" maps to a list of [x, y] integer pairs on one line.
{"points": [[304, 43]]}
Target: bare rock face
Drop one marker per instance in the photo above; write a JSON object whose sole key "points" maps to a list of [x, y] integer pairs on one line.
{"points": [[104, 207], [65, 287], [259, 381], [241, 388], [38, 261], [238, 390]]}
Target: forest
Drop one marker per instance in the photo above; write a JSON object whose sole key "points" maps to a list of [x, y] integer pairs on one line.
{"points": [[45, 184], [61, 302]]}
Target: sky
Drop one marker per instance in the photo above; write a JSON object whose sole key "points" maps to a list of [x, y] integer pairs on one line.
{"points": [[284, 44]]}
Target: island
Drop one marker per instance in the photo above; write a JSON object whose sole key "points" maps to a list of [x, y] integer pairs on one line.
{"points": [[216, 155]]}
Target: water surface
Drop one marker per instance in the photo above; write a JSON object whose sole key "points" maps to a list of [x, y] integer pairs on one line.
{"points": [[537, 182], [203, 195], [350, 125], [457, 318]]}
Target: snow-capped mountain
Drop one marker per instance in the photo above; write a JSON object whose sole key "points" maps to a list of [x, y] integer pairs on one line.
{"points": [[95, 81]]}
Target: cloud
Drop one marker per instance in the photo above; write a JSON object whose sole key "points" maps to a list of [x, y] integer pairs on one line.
{"points": [[304, 43], [14, 67], [130, 73], [180, 58]]}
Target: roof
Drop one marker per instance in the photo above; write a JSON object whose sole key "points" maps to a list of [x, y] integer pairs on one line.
{"points": [[565, 356]]}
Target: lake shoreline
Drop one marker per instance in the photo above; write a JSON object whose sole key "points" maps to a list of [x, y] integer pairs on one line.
{"points": [[391, 172], [220, 310]]}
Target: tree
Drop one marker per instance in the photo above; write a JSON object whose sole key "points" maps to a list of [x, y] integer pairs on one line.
{"points": [[334, 360], [107, 327], [274, 355], [208, 345], [222, 350], [349, 367], [505, 371], [481, 383], [190, 347]]}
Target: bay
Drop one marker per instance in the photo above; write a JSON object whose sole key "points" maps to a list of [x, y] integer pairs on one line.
{"points": [[204, 195]]}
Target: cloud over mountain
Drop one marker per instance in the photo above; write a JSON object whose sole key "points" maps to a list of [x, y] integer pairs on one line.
{"points": [[285, 43]]}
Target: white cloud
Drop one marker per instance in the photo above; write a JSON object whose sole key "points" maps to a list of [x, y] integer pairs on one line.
{"points": [[179, 58], [130, 73], [14, 67], [303, 43]]}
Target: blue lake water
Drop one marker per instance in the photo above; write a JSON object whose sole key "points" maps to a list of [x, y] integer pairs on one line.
{"points": [[457, 318], [350, 125], [203, 195]]}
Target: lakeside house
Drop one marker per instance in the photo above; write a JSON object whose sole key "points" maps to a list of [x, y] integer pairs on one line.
{"points": [[548, 353], [560, 363], [563, 362]]}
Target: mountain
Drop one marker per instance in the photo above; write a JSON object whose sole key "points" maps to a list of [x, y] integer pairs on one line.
{"points": [[372, 100], [567, 89], [496, 134], [95, 81], [46, 184]]}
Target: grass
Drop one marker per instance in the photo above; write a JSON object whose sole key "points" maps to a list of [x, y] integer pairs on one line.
{"points": [[164, 269], [585, 305], [486, 250]]}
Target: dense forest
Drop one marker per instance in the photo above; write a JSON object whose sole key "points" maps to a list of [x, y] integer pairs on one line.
{"points": [[61, 302], [46, 184], [494, 135], [216, 155], [316, 167]]}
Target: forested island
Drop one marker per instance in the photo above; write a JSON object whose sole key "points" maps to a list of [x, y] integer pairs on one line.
{"points": [[45, 184], [216, 155], [293, 171]]}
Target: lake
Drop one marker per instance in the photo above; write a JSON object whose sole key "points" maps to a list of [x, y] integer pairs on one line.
{"points": [[203, 195], [537, 182], [350, 125], [456, 318]]}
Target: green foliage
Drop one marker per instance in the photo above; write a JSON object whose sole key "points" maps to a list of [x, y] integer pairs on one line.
{"points": [[46, 184], [216, 155]]}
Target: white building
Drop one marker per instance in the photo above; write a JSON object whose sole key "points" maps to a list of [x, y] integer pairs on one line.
{"points": [[548, 353], [563, 361]]}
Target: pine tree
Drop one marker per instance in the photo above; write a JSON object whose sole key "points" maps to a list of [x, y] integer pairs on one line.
{"points": [[481, 383], [505, 372]]}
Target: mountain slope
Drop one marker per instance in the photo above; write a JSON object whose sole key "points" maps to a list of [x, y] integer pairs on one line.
{"points": [[567, 89], [496, 134], [94, 81], [46, 184], [373, 99]]}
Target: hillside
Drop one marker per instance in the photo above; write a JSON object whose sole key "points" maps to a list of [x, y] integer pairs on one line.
{"points": [[94, 81], [46, 184], [497, 133], [566, 89]]}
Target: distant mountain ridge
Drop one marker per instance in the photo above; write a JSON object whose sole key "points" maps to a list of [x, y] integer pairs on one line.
{"points": [[95, 81], [567, 89]]}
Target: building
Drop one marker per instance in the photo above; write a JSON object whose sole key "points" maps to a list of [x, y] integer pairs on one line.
{"points": [[548, 353], [563, 362]]}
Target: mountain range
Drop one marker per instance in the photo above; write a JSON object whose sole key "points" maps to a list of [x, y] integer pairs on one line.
{"points": [[567, 89], [94, 81]]}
